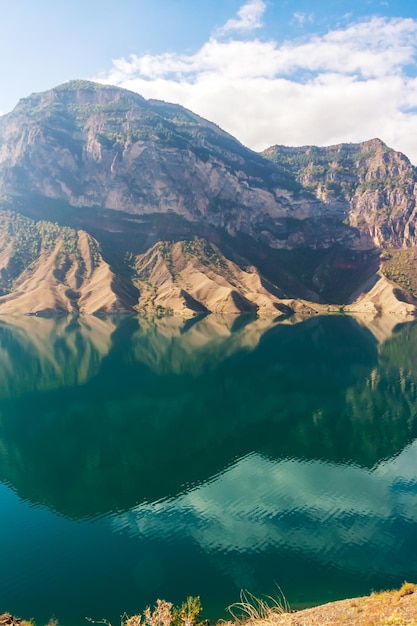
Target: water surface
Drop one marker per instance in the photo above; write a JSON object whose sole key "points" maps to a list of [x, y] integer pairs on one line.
{"points": [[147, 459]]}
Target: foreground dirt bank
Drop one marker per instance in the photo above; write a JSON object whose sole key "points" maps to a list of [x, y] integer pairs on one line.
{"points": [[386, 608]]}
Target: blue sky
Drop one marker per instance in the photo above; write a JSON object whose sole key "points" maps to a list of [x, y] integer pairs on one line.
{"points": [[291, 72]]}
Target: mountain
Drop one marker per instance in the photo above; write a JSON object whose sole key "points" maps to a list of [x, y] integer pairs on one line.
{"points": [[113, 203], [374, 186]]}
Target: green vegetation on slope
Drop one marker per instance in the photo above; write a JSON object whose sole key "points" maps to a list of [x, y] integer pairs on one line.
{"points": [[400, 267], [314, 166], [29, 239], [339, 171]]}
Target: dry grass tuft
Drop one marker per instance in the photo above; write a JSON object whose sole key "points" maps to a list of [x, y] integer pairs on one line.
{"points": [[253, 609], [407, 589], [161, 615], [134, 620]]}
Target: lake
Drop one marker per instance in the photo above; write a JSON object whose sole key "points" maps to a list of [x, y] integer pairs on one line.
{"points": [[146, 459]]}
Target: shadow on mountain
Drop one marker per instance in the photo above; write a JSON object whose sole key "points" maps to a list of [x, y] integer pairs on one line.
{"points": [[160, 410]]}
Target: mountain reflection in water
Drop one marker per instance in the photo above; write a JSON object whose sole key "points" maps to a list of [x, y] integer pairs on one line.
{"points": [[201, 457]]}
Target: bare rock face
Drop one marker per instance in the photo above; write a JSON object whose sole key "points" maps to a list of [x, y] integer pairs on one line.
{"points": [[112, 203], [371, 187], [92, 145]]}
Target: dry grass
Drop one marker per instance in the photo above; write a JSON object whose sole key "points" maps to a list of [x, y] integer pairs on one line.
{"points": [[6, 619], [161, 615], [252, 609], [386, 608]]}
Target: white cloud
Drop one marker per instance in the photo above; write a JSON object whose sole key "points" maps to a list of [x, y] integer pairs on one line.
{"points": [[248, 17], [348, 85], [303, 18], [293, 497]]}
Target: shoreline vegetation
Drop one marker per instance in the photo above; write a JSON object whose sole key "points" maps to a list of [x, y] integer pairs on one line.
{"points": [[385, 608]]}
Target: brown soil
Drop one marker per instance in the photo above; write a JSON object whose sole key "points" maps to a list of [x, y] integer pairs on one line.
{"points": [[387, 608]]}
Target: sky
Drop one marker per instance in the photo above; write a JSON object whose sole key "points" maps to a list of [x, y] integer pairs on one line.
{"points": [[290, 72]]}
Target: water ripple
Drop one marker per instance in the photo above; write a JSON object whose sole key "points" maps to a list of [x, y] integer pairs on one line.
{"points": [[334, 514]]}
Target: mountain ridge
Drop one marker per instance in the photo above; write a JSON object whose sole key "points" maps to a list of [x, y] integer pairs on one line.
{"points": [[138, 177]]}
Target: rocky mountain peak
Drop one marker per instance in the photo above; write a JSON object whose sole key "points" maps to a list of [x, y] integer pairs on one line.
{"points": [[134, 174], [77, 92]]}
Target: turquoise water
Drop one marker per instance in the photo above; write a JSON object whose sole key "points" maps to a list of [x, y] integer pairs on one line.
{"points": [[143, 460]]}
